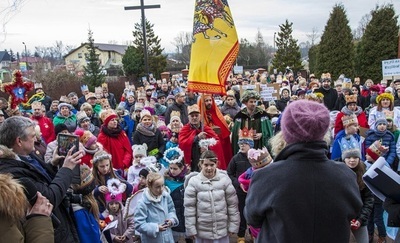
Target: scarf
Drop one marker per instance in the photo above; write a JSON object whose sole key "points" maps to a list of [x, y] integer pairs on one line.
{"points": [[114, 133], [147, 131], [181, 176], [91, 151], [345, 110], [151, 197]]}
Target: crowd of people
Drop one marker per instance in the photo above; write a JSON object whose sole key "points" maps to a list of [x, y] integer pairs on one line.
{"points": [[166, 164]]}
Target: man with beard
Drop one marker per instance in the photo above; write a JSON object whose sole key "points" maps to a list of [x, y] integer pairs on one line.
{"points": [[254, 118], [213, 118], [46, 124], [330, 95]]}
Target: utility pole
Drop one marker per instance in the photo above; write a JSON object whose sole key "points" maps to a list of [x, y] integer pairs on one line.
{"points": [[142, 7], [26, 56]]}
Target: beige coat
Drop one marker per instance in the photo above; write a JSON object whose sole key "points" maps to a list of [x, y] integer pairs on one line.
{"points": [[211, 206]]}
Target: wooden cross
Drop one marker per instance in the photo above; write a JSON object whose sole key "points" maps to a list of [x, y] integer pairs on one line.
{"points": [[142, 7]]}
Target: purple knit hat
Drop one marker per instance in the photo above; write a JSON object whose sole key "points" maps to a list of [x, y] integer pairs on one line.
{"points": [[304, 121]]}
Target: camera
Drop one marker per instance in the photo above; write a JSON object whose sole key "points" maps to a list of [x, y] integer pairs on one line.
{"points": [[71, 197]]}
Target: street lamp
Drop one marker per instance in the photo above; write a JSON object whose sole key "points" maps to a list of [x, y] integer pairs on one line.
{"points": [[274, 40], [26, 56]]}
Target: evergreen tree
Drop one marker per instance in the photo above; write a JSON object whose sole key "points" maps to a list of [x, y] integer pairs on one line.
{"points": [[156, 60], [93, 75], [288, 52], [132, 62], [335, 52], [313, 58], [378, 43]]}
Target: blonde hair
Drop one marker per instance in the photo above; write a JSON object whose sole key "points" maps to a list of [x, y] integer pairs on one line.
{"points": [[152, 177], [277, 143]]}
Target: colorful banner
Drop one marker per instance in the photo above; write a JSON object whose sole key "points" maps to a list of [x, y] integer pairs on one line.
{"points": [[215, 47]]}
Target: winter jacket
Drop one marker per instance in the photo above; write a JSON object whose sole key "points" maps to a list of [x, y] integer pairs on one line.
{"points": [[387, 139], [230, 110], [361, 117], [54, 190], [330, 97], [303, 197], [125, 226], [238, 165], [374, 115], [211, 206], [177, 107], [341, 140], [13, 228], [149, 215], [368, 203], [69, 121], [119, 147], [177, 192], [153, 141]]}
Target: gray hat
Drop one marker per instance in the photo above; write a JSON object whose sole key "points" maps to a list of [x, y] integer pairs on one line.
{"points": [[81, 117], [70, 107]]}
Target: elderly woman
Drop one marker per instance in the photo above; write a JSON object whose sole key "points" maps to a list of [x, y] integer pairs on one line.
{"points": [[385, 106], [349, 109], [147, 132], [114, 140], [65, 116]]}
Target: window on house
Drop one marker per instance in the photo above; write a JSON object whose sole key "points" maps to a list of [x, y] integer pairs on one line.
{"points": [[79, 55]]}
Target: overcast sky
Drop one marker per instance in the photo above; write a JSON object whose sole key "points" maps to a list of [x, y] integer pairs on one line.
{"points": [[43, 22]]}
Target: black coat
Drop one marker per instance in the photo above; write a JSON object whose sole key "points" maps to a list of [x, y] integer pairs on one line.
{"points": [[237, 166], [153, 142], [368, 203], [54, 191], [303, 197], [330, 97], [182, 110]]}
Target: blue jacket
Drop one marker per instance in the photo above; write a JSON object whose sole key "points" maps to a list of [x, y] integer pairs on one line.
{"points": [[149, 215], [336, 148], [387, 139]]}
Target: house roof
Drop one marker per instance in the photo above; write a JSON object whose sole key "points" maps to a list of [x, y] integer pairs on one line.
{"points": [[4, 56], [111, 47], [104, 47]]}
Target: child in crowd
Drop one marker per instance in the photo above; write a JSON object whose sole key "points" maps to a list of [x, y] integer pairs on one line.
{"points": [[89, 144], [351, 156], [211, 204], [174, 179], [155, 213], [373, 152], [125, 229], [102, 172], [173, 141], [86, 213], [347, 137], [139, 152], [258, 159], [387, 139], [143, 173], [175, 124], [237, 166]]}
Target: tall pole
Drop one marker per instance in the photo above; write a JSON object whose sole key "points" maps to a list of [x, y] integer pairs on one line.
{"points": [[142, 7], [146, 62], [26, 57], [274, 40]]}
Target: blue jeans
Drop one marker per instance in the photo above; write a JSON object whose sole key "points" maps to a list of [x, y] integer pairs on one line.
{"points": [[376, 218]]}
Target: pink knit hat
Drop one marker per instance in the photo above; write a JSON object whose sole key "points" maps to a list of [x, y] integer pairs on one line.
{"points": [[304, 121]]}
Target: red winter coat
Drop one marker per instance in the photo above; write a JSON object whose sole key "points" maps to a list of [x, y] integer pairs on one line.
{"points": [[362, 121], [119, 147], [46, 128]]}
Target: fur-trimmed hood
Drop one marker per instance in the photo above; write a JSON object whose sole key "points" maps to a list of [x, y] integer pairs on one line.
{"points": [[6, 153], [13, 202]]}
